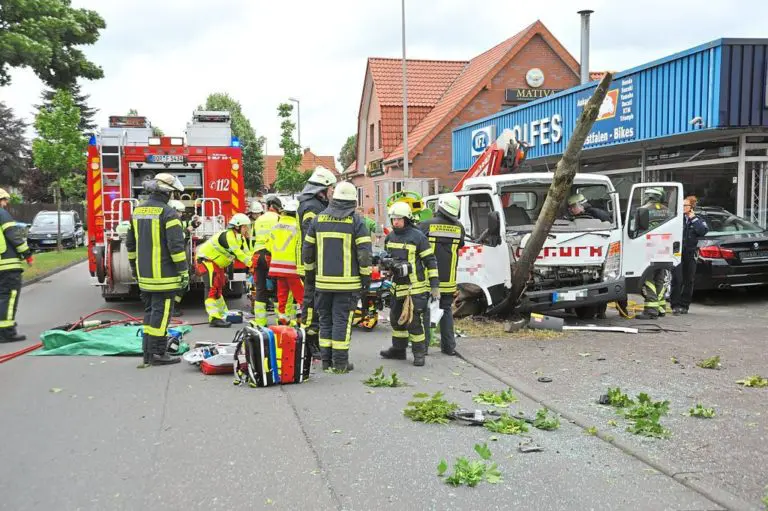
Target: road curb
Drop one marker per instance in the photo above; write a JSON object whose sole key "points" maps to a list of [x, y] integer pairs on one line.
{"points": [[53, 272], [704, 487]]}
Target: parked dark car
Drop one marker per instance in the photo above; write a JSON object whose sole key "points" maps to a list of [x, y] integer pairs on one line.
{"points": [[733, 254], [42, 232]]}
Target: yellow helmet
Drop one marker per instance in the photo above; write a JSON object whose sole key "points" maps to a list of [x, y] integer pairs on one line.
{"points": [[4, 194]]}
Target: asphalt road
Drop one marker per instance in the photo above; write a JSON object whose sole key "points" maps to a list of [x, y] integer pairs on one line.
{"points": [[116, 437]]}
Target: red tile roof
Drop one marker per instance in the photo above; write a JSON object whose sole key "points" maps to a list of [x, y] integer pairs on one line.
{"points": [[308, 162], [475, 75], [427, 80]]}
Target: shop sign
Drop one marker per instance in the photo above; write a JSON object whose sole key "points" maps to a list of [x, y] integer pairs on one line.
{"points": [[374, 168], [616, 121], [511, 95], [482, 138]]}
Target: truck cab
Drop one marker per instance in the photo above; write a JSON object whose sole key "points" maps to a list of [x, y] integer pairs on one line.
{"points": [[585, 263]]}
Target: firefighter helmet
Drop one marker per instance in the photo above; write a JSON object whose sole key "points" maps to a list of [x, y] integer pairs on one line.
{"points": [[576, 199], [655, 194], [4, 194], [177, 205], [449, 204], [273, 201], [168, 183], [399, 210], [256, 208], [322, 176], [239, 220], [345, 191], [291, 206]]}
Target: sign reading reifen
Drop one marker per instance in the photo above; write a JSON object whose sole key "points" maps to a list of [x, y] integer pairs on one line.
{"points": [[482, 138], [547, 130], [616, 122]]}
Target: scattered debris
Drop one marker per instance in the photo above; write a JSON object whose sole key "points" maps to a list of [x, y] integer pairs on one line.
{"points": [[644, 417], [545, 422], [507, 425], [615, 398], [585, 354], [710, 363], [528, 445], [336, 431], [701, 412], [56, 390], [471, 472], [432, 410], [674, 360], [613, 423], [754, 381], [544, 379], [592, 430], [378, 379], [499, 400]]}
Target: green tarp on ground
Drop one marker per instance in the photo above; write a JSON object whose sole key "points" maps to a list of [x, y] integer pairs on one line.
{"points": [[114, 340]]}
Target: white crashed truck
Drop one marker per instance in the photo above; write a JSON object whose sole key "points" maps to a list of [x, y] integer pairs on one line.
{"points": [[585, 263]]}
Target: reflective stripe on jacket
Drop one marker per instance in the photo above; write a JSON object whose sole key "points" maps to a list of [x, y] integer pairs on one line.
{"points": [[223, 249], [283, 243], [261, 229], [446, 236], [13, 246], [309, 208], [411, 245]]}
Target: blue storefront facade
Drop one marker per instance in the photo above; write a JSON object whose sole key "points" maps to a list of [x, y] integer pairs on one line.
{"points": [[699, 117]]}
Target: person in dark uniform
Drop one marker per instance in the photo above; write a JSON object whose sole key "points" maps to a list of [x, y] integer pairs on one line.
{"points": [[158, 258], [187, 226], [446, 236], [415, 278], [694, 227], [312, 200], [337, 261], [13, 252], [578, 207]]}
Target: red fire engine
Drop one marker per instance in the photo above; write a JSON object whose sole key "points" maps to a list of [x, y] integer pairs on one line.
{"points": [[124, 155]]}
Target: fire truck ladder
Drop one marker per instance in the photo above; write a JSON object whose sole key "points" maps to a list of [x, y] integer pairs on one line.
{"points": [[209, 224], [112, 228], [113, 216]]}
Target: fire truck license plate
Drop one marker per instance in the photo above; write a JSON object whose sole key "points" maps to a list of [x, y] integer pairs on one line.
{"points": [[165, 158]]}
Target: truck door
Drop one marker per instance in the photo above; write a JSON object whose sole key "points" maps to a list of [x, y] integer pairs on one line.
{"points": [[653, 231]]}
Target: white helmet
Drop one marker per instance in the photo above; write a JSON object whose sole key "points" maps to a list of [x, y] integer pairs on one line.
{"points": [[4, 194], [290, 206], [654, 193], [399, 210], [177, 205], [449, 204], [322, 176], [239, 219], [256, 208], [345, 191], [168, 183]]}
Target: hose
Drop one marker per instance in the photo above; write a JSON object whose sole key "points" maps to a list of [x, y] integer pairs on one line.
{"points": [[407, 315]]}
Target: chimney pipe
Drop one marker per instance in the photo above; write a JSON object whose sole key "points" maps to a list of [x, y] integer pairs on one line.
{"points": [[585, 44]]}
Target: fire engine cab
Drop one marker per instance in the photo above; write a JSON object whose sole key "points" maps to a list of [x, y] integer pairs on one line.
{"points": [[122, 156]]}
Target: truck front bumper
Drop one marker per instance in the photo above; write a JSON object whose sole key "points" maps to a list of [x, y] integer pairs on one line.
{"points": [[573, 297]]}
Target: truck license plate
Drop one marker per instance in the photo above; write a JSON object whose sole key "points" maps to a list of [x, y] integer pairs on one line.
{"points": [[569, 296], [239, 276]]}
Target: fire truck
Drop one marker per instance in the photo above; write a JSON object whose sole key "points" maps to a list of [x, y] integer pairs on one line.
{"points": [[122, 156]]}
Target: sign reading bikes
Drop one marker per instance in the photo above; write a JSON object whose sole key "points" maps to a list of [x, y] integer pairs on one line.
{"points": [[616, 122]]}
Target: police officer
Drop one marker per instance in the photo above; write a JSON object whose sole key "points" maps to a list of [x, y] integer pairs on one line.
{"points": [[13, 251], [261, 257], [654, 288], [158, 259], [337, 261], [283, 244], [578, 207], [694, 227], [214, 257], [446, 236], [410, 249], [312, 200], [255, 210]]}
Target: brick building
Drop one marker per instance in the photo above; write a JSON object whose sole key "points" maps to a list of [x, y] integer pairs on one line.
{"points": [[443, 95], [309, 161]]}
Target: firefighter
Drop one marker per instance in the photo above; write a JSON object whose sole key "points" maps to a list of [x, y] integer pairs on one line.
{"points": [[214, 257], [337, 261], [255, 210], [261, 257], [446, 236], [158, 260], [312, 200], [654, 288], [415, 278], [578, 207], [283, 245], [13, 251], [187, 227]]}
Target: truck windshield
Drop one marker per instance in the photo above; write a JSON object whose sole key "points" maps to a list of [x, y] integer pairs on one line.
{"points": [[593, 208]]}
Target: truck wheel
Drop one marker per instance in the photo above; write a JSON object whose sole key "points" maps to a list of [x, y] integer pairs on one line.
{"points": [[236, 291], [588, 312], [101, 269]]}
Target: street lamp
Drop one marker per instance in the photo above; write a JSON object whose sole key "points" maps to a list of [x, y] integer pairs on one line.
{"points": [[405, 101], [298, 114]]}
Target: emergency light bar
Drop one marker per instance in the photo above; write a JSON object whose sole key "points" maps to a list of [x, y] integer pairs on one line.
{"points": [[202, 116], [127, 121], [154, 141]]}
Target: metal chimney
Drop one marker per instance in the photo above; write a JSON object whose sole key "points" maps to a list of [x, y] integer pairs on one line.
{"points": [[585, 44]]}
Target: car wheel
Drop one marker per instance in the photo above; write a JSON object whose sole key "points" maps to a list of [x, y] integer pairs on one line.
{"points": [[588, 312]]}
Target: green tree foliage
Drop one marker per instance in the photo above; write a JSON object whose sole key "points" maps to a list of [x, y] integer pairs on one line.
{"points": [[45, 35], [253, 146], [14, 151], [87, 123], [348, 152], [290, 178], [59, 149]]}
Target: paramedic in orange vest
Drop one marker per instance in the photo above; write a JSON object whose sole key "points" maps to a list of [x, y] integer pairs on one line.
{"points": [[283, 244]]}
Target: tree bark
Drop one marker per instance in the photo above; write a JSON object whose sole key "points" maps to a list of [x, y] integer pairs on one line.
{"points": [[561, 183]]}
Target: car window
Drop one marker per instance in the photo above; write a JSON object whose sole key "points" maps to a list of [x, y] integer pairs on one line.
{"points": [[50, 220], [724, 222]]}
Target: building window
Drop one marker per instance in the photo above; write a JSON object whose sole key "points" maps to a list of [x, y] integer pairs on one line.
{"points": [[360, 197], [379, 134], [370, 138], [397, 186]]}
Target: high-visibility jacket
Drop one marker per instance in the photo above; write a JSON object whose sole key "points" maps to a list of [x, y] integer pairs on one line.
{"points": [[446, 236], [155, 243], [13, 246], [309, 207], [411, 245], [260, 230], [283, 244], [337, 249], [223, 248]]}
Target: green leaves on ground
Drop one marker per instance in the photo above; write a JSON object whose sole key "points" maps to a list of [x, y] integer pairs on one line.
{"points": [[618, 399], [709, 363], [592, 430], [649, 428], [646, 409], [471, 472], [500, 400], [544, 421], [434, 410], [507, 425], [701, 412], [754, 381], [378, 379]]}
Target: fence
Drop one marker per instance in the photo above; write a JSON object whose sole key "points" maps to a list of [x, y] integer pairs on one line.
{"points": [[26, 212]]}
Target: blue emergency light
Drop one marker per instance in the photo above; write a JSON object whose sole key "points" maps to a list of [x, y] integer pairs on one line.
{"points": [[92, 140], [235, 142]]}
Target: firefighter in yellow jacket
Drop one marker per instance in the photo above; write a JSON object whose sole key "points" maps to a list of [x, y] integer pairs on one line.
{"points": [[261, 256], [13, 251], [283, 243], [214, 257], [158, 260]]}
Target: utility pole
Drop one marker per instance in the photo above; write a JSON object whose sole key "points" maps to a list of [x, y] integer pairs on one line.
{"points": [[406, 170]]}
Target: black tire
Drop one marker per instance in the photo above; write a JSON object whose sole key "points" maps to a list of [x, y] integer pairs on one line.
{"points": [[101, 268], [588, 312], [237, 290]]}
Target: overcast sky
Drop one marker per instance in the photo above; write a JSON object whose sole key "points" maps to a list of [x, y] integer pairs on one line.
{"points": [[163, 57]]}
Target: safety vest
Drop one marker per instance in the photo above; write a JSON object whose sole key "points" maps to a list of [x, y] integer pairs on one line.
{"points": [[13, 246], [223, 249], [283, 243], [411, 245], [261, 229], [155, 244], [446, 237]]}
